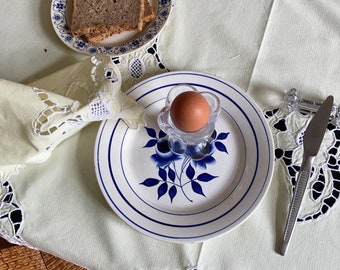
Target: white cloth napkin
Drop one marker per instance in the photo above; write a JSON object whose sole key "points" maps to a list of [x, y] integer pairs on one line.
{"points": [[34, 120]]}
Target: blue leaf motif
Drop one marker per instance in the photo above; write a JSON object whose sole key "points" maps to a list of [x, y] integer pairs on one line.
{"points": [[161, 134], [190, 172], [151, 132], [205, 177], [150, 182], [162, 162], [172, 175], [221, 147], [196, 187], [172, 193], [151, 143], [222, 136], [204, 162], [162, 189], [162, 174]]}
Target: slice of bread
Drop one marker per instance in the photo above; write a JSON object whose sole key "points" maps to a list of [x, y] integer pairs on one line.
{"points": [[149, 14], [105, 32], [92, 17]]}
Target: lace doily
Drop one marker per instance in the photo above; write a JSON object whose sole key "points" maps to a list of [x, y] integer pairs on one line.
{"points": [[288, 124], [11, 215], [139, 65]]}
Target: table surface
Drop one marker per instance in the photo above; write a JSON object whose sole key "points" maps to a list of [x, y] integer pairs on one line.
{"points": [[265, 48]]}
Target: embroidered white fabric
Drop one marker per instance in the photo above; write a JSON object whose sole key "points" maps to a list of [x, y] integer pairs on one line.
{"points": [[139, 65], [36, 120], [288, 126], [41, 119]]}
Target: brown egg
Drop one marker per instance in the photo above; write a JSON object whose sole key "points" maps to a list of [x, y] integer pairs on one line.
{"points": [[190, 111]]}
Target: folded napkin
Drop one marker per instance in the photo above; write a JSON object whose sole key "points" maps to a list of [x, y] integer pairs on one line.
{"points": [[33, 121]]}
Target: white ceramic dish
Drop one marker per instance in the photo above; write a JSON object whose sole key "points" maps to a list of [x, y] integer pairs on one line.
{"points": [[171, 197], [119, 44]]}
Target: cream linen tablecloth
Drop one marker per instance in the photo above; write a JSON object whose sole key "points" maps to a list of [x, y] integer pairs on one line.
{"points": [[264, 47]]}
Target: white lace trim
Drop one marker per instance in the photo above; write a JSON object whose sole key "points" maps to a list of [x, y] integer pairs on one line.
{"points": [[99, 109], [139, 65], [137, 68], [323, 190], [11, 215], [43, 124]]}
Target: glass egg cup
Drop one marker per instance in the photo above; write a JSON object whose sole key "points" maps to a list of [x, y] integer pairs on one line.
{"points": [[195, 145]]}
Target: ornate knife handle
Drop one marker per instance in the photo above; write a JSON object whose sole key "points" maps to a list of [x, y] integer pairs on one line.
{"points": [[299, 192]]}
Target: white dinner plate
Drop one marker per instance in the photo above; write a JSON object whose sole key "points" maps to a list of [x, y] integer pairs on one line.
{"points": [[174, 198], [118, 44]]}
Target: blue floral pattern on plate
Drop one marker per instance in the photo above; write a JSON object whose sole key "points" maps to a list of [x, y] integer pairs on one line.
{"points": [[59, 22], [176, 171]]}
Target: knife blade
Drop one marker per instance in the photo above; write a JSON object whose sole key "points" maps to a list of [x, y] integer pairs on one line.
{"points": [[312, 139]]}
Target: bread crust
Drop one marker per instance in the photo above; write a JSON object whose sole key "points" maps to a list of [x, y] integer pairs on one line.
{"points": [[100, 21]]}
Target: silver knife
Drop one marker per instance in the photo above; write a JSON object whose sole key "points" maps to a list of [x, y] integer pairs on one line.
{"points": [[311, 143]]}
